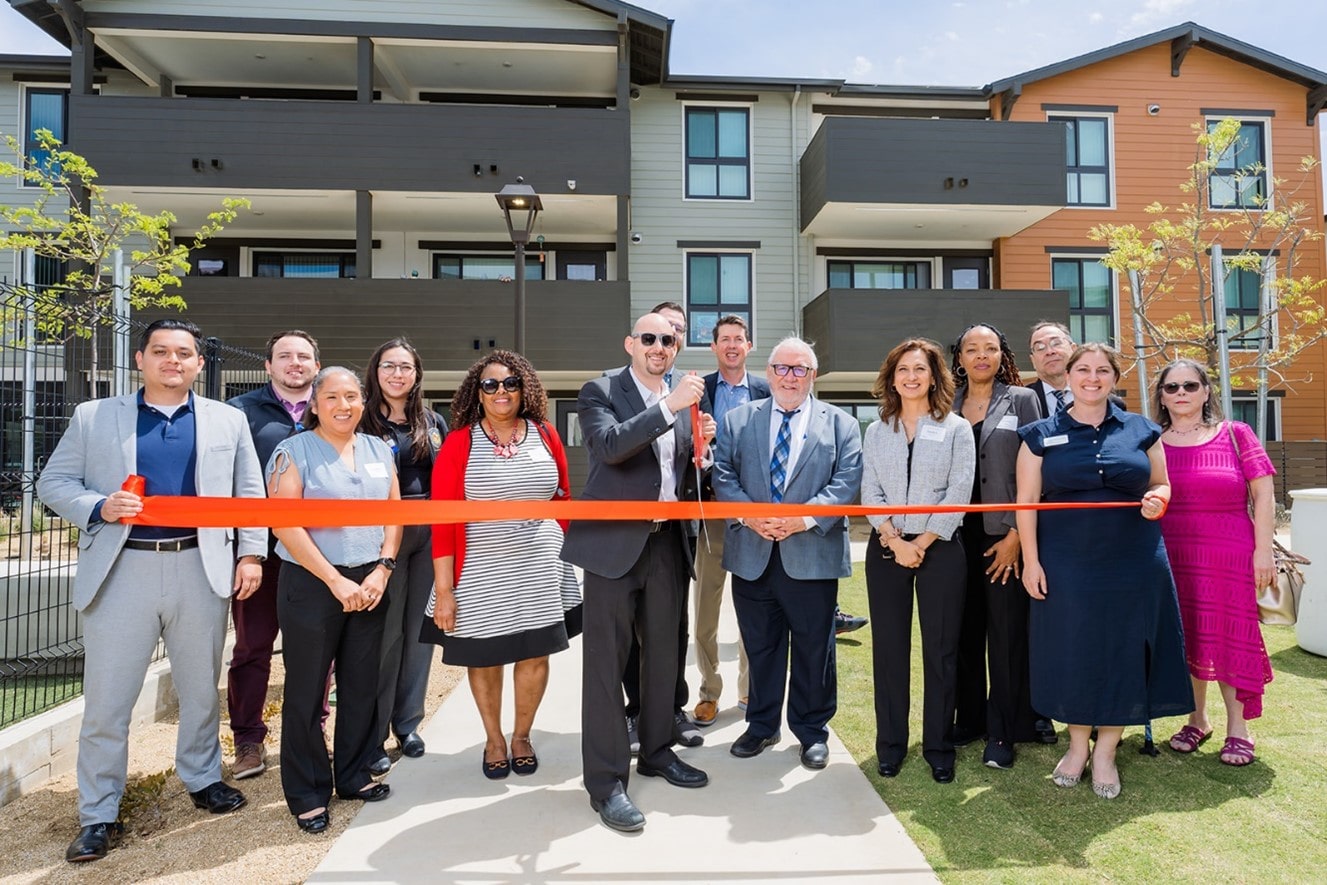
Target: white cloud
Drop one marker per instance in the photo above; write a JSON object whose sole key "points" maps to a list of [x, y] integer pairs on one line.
{"points": [[1158, 12], [861, 67], [951, 36], [1095, 18]]}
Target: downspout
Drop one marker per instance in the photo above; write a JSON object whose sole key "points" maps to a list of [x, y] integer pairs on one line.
{"points": [[797, 210]]}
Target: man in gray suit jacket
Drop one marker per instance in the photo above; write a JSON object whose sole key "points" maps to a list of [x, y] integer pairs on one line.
{"points": [[136, 585], [638, 434], [791, 448]]}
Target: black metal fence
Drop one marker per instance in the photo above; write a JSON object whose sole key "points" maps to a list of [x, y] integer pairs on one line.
{"points": [[44, 374]]}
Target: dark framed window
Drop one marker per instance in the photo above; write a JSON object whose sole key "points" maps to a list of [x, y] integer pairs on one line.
{"points": [[879, 274], [718, 283], [304, 265], [1091, 297], [1087, 159], [44, 109], [1245, 408], [718, 153], [484, 267], [1239, 180], [1243, 291]]}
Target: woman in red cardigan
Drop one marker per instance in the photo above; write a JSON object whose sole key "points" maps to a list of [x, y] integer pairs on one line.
{"points": [[501, 595]]}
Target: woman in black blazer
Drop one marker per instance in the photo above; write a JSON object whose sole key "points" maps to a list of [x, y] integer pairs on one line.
{"points": [[995, 612]]}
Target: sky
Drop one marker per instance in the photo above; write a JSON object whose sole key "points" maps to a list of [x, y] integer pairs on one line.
{"points": [[917, 42]]}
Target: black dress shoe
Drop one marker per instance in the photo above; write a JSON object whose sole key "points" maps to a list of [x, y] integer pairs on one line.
{"points": [[1046, 731], [942, 775], [412, 745], [749, 745], [373, 793], [380, 766], [677, 773], [815, 756], [619, 813], [93, 842], [316, 824], [218, 798], [890, 769]]}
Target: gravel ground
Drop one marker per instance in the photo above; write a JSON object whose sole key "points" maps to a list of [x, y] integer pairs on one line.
{"points": [[167, 839]]}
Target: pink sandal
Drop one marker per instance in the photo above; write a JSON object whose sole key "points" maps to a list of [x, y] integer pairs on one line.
{"points": [[1188, 739], [1237, 752]]}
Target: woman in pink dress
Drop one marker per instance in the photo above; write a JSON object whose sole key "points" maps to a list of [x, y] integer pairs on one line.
{"points": [[1219, 556]]}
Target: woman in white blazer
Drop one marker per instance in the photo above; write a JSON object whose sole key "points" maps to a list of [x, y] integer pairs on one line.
{"points": [[919, 452]]}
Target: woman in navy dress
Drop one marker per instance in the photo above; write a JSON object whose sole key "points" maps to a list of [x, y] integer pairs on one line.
{"points": [[1105, 644]]}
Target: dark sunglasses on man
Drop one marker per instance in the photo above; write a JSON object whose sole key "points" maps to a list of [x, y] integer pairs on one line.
{"points": [[648, 339], [511, 384], [1173, 387]]}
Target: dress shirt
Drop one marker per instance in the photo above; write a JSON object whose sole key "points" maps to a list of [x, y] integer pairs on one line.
{"points": [[665, 447], [797, 429], [730, 396], [1052, 402], [296, 409]]}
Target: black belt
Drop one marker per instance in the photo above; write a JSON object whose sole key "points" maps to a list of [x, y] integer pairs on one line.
{"points": [[660, 525], [169, 545]]}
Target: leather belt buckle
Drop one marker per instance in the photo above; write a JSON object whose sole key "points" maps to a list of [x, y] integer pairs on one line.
{"points": [[170, 545], [659, 525]]}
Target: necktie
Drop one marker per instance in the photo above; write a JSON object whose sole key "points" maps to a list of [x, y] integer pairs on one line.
{"points": [[778, 465], [1059, 399]]}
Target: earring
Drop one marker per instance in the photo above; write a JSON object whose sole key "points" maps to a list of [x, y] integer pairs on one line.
{"points": [[932, 388], [959, 372]]}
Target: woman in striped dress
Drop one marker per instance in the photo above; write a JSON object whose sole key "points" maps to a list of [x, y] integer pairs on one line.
{"points": [[502, 596]]}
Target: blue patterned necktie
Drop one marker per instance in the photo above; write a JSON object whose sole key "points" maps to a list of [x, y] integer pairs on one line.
{"points": [[778, 465], [1059, 398]]}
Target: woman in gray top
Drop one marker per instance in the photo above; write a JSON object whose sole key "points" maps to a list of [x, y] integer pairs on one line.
{"points": [[919, 452], [329, 600]]}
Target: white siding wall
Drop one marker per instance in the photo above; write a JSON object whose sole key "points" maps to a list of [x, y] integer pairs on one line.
{"points": [[478, 13]]}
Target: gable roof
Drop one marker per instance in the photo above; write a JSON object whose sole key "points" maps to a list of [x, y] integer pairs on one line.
{"points": [[1182, 38]]}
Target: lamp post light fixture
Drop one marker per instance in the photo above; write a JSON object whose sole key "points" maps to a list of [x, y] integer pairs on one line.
{"points": [[520, 206]]}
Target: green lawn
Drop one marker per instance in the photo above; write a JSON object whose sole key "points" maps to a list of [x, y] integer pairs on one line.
{"points": [[21, 697], [1178, 819]]}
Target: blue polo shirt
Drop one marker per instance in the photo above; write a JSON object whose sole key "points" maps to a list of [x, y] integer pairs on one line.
{"points": [[167, 459]]}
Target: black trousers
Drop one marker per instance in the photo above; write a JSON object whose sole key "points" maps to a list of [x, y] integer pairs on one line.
{"points": [[645, 603], [970, 697], [315, 633], [939, 586], [631, 673], [406, 661], [787, 627]]}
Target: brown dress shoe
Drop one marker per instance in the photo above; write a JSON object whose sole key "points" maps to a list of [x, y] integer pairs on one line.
{"points": [[705, 713], [250, 761]]}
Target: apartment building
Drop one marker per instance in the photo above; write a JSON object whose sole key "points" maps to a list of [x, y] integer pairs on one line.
{"points": [[371, 138]]}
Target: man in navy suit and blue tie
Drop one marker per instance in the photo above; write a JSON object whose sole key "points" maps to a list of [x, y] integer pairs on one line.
{"points": [[790, 448]]}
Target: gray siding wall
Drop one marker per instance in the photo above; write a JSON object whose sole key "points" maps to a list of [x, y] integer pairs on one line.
{"points": [[344, 145], [12, 193]]}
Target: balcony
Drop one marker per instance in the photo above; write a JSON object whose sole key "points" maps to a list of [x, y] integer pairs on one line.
{"points": [[974, 180], [234, 145], [572, 326], [853, 329]]}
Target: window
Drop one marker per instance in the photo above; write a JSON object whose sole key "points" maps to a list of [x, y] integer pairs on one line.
{"points": [[1239, 180], [1087, 158], [1244, 407], [304, 265], [718, 153], [484, 267], [879, 274], [717, 284], [1091, 297], [46, 109], [1243, 291]]}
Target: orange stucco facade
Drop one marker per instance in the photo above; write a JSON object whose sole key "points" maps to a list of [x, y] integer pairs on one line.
{"points": [[1149, 156]]}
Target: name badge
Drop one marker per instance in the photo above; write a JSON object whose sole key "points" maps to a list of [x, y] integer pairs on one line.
{"points": [[1048, 441], [931, 433], [1008, 422], [539, 454], [376, 469]]}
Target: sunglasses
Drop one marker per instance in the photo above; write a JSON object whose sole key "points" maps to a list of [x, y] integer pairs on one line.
{"points": [[1188, 387], [648, 339], [798, 371], [511, 384]]}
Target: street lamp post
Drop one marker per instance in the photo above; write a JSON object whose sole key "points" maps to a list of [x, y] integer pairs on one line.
{"points": [[520, 205]]}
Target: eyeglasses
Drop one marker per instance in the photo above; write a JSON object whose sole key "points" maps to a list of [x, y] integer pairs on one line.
{"points": [[679, 328], [1043, 346], [798, 371], [1173, 387], [648, 339], [393, 368], [511, 384]]}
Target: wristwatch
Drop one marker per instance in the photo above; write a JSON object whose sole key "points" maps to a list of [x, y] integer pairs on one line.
{"points": [[388, 563]]}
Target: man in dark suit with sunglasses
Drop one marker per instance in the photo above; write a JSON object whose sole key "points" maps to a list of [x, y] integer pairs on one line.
{"points": [[638, 433]]}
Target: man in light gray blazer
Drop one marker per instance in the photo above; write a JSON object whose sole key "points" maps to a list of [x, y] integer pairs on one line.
{"points": [[791, 448], [136, 585]]}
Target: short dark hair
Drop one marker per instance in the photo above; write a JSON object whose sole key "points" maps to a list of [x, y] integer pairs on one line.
{"points": [[1042, 324], [668, 305], [311, 413], [731, 319], [170, 325], [293, 333]]}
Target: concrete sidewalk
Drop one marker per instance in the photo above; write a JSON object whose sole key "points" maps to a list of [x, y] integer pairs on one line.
{"points": [[760, 820]]}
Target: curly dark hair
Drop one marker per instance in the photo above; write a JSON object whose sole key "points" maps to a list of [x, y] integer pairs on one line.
{"points": [[941, 396], [374, 422], [1211, 413], [1008, 371], [466, 408]]}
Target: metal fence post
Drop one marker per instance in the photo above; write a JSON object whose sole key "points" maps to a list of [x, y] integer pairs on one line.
{"points": [[213, 361]]}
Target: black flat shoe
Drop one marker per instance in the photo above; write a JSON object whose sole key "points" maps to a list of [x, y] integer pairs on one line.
{"points": [[1045, 731], [412, 745], [815, 756], [218, 798], [316, 824], [524, 765], [677, 773], [942, 775], [372, 793], [749, 745], [495, 771], [380, 766], [889, 769], [619, 813], [93, 842]]}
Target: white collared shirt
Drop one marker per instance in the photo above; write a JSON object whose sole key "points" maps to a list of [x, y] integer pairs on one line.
{"points": [[1052, 403], [797, 427], [665, 446]]}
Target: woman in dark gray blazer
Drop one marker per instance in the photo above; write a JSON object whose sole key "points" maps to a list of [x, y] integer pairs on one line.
{"points": [[995, 612], [919, 452]]}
